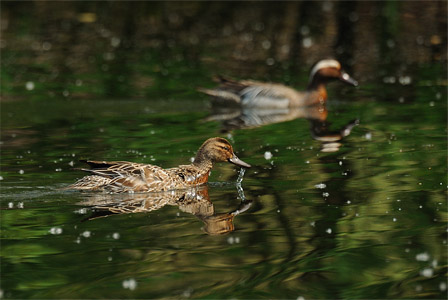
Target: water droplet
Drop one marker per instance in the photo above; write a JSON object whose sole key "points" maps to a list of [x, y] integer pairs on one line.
{"points": [[21, 172], [329, 230], [115, 235], [130, 284], [442, 286], [29, 85], [320, 186], [427, 272], [267, 155], [86, 234], [270, 61], [55, 230], [422, 256]]}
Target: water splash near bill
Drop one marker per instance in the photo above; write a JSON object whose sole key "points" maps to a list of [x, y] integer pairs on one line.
{"points": [[238, 184]]}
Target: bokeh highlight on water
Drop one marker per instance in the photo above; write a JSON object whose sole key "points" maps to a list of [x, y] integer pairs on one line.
{"points": [[344, 201]]}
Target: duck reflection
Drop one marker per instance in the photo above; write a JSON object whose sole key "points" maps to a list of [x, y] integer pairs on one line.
{"points": [[240, 118], [195, 201]]}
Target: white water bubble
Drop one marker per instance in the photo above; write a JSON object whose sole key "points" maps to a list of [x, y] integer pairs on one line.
{"points": [[20, 205], [29, 85], [115, 235], [368, 136], [442, 286], [86, 234], [230, 240], [300, 298], [320, 186], [10, 205], [21, 172], [130, 284], [81, 211], [1, 177], [325, 194], [267, 155], [55, 230], [422, 256], [328, 231], [427, 272]]}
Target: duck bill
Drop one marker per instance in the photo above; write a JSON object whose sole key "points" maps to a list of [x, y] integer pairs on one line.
{"points": [[348, 79], [236, 161]]}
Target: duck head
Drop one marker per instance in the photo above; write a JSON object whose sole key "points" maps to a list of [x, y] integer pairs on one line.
{"points": [[218, 150], [327, 70]]}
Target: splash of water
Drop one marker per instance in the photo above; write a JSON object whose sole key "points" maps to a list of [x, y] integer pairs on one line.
{"points": [[240, 176], [238, 184]]}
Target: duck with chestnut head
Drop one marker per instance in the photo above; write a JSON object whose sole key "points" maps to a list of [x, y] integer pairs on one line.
{"points": [[255, 94], [122, 176]]}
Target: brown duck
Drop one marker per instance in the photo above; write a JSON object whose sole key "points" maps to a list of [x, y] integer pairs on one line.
{"points": [[122, 176], [251, 94]]}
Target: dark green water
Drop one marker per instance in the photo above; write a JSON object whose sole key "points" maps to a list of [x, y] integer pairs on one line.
{"points": [[366, 221]]}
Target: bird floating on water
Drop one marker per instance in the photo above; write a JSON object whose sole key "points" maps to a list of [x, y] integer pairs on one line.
{"points": [[123, 176], [256, 94]]}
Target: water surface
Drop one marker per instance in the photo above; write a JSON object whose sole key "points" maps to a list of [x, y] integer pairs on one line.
{"points": [[359, 217]]}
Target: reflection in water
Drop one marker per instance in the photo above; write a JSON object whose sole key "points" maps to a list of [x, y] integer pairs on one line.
{"points": [[195, 201], [240, 118]]}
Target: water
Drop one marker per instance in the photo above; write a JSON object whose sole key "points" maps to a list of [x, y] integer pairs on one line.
{"points": [[351, 205]]}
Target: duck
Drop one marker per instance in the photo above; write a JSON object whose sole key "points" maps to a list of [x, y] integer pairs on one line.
{"points": [[256, 94], [129, 177]]}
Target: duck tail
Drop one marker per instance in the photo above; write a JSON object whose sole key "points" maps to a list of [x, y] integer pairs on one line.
{"points": [[222, 95]]}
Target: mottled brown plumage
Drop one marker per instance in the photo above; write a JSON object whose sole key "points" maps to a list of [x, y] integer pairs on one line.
{"points": [[122, 176], [251, 94]]}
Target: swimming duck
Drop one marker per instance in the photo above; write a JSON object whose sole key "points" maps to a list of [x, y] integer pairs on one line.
{"points": [[123, 176], [249, 93]]}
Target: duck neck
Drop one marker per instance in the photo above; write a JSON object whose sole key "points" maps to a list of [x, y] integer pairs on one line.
{"points": [[317, 93], [202, 162]]}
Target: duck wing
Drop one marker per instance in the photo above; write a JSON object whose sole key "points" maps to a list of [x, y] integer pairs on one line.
{"points": [[127, 176], [267, 95]]}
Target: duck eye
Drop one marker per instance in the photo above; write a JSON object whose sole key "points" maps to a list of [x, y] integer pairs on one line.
{"points": [[225, 148]]}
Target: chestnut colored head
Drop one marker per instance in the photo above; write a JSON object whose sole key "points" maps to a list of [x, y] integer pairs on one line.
{"points": [[327, 70], [218, 150]]}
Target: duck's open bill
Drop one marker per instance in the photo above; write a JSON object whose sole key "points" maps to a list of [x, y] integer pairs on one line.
{"points": [[235, 160]]}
